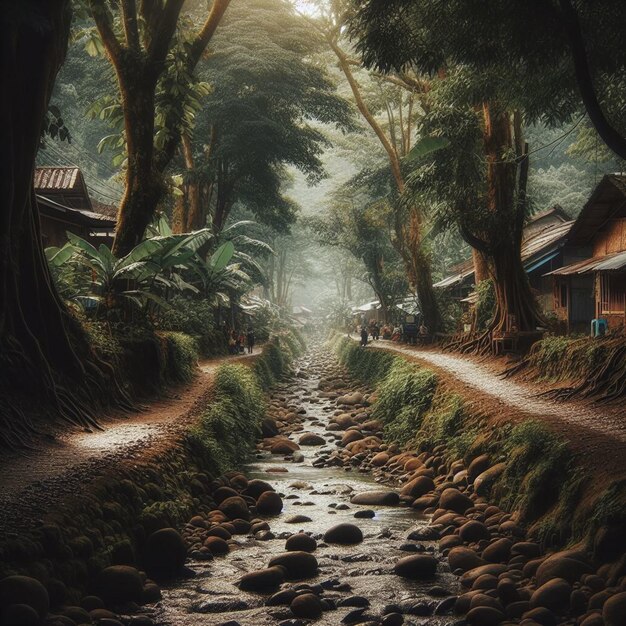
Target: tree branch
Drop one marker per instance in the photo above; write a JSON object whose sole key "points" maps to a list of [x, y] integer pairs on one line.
{"points": [[104, 24], [129, 21], [161, 39], [609, 134], [205, 35]]}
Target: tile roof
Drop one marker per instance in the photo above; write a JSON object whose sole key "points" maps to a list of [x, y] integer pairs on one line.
{"points": [[58, 178]]}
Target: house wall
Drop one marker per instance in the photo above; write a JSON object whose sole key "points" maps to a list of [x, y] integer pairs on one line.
{"points": [[53, 231], [612, 238]]}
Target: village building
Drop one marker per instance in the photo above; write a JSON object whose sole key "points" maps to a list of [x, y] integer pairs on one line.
{"points": [[591, 285], [542, 251], [65, 205]]}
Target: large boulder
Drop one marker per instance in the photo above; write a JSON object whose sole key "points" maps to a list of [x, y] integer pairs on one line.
{"points": [[284, 446], [344, 534], [484, 616], [569, 565], [499, 551], [307, 605], [165, 554], [473, 531], [263, 580], [416, 566], [24, 590], [418, 487], [119, 584], [376, 498], [297, 564], [485, 480], [453, 500], [464, 559], [311, 439], [235, 507], [301, 542], [477, 467], [256, 487], [553, 595], [269, 503], [614, 610]]}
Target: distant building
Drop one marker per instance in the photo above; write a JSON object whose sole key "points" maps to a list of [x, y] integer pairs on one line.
{"points": [[592, 282], [64, 205], [542, 251]]}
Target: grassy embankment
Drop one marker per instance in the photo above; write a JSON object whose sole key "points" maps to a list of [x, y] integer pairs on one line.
{"points": [[543, 482]]}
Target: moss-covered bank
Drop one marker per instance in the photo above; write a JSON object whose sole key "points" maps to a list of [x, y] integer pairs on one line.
{"points": [[109, 522], [538, 477]]}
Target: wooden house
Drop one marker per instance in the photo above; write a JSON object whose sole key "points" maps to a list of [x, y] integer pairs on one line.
{"points": [[64, 205], [592, 282], [542, 250]]}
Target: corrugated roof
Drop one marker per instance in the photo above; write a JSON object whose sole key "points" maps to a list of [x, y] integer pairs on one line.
{"points": [[58, 178], [615, 261], [104, 209], [534, 246], [81, 216]]}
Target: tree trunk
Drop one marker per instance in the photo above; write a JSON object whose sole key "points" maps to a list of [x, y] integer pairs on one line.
{"points": [[144, 185], [44, 355], [481, 266]]}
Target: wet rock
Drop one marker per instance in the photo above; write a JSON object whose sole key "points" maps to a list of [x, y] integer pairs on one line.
{"points": [[256, 487], [344, 534], [498, 552], [350, 436], [284, 446], [453, 500], [365, 514], [376, 498], [417, 566], [221, 493], [118, 584], [263, 580], [298, 519], [569, 565], [301, 542], [307, 605], [20, 615], [380, 459], [485, 480], [484, 616], [614, 610], [464, 559], [418, 487], [219, 531], [541, 616], [217, 546], [474, 531], [298, 564], [235, 507], [393, 619], [19, 590], [282, 598], [269, 428], [311, 439], [269, 503], [477, 467], [425, 502], [553, 595]]}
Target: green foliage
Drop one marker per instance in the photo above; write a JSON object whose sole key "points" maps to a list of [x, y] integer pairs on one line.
{"points": [[370, 366], [182, 357], [538, 465]]}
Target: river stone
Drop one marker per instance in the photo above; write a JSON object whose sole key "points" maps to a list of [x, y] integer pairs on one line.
{"points": [[485, 480], [365, 514], [20, 615], [484, 616], [417, 566], [165, 553], [298, 564], [474, 531], [217, 546], [307, 605], [219, 531], [464, 559], [301, 542], [493, 569], [298, 519], [477, 467], [263, 580], [418, 487], [235, 507], [350, 436], [453, 500], [498, 552], [376, 498], [119, 584], [269, 503], [380, 459], [284, 446], [568, 565], [256, 487], [344, 534], [553, 595], [269, 428], [311, 439], [614, 610], [24, 590], [221, 493]]}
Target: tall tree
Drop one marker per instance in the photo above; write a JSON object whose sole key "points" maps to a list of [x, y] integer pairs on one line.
{"points": [[42, 349], [263, 114], [138, 38], [400, 106]]}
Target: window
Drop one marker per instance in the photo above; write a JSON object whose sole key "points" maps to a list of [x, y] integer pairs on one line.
{"points": [[612, 293]]}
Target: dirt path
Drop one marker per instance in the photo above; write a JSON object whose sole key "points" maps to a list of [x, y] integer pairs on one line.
{"points": [[59, 466], [597, 433]]}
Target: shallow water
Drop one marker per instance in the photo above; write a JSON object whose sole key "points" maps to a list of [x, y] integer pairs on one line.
{"points": [[212, 597]]}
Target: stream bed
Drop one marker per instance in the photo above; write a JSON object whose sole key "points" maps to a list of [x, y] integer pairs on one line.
{"points": [[356, 582]]}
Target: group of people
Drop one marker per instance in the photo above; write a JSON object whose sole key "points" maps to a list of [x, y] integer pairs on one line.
{"points": [[394, 333], [239, 342]]}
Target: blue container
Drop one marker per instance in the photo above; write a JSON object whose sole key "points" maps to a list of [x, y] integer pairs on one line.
{"points": [[598, 327]]}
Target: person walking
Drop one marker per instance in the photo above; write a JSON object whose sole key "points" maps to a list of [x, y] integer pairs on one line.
{"points": [[250, 340], [364, 335]]}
